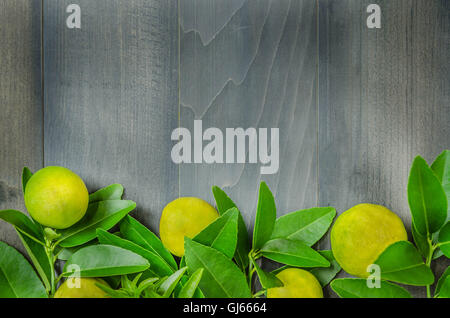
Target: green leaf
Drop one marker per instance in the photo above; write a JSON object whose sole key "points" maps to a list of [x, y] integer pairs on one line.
{"points": [[426, 197], [357, 288], [401, 262], [105, 260], [441, 167], [137, 233], [267, 280], [266, 214], [159, 266], [420, 241], [104, 215], [222, 233], [443, 281], [22, 223], [307, 226], [190, 287], [221, 277], [444, 239], [17, 277], [26, 175], [326, 274], [66, 252], [224, 203], [168, 286], [111, 192], [445, 289], [294, 253], [39, 258]]}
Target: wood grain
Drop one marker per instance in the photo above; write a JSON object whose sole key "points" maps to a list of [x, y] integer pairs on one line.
{"points": [[20, 103], [255, 66], [111, 97], [384, 98]]}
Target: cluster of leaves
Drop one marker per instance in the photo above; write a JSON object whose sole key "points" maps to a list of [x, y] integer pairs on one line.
{"points": [[89, 248], [229, 260], [402, 262]]}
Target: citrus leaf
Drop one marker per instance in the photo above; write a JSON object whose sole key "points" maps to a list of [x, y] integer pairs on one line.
{"points": [[326, 274], [444, 239], [17, 277], [224, 203], [221, 277], [190, 287], [357, 288], [294, 253], [159, 266], [267, 279], [444, 291], [420, 241], [103, 214], [26, 175], [443, 281], [401, 262], [168, 286], [441, 167], [137, 233], [105, 260], [22, 223], [221, 234], [111, 192], [266, 214], [38, 257], [426, 197], [307, 226]]}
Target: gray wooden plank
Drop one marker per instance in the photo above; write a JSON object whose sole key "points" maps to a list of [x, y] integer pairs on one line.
{"points": [[111, 97], [384, 98], [20, 103], [252, 64]]}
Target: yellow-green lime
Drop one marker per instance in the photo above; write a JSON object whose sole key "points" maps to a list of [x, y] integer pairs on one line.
{"points": [[56, 197], [298, 283], [184, 217], [361, 234], [87, 288]]}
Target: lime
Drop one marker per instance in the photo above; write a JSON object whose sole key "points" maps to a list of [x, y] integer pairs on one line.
{"points": [[56, 197]]}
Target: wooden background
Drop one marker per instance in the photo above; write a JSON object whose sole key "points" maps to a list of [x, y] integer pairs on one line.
{"points": [[354, 105]]}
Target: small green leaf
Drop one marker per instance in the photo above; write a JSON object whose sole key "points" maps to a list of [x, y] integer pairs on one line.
{"points": [[224, 203], [420, 241], [401, 262], [137, 233], [17, 277], [221, 277], [190, 287], [307, 226], [294, 253], [159, 265], [444, 239], [111, 192], [105, 260], [326, 274], [266, 214], [168, 286], [103, 214], [441, 167], [445, 289], [357, 288], [222, 233], [443, 281], [426, 197], [22, 223], [267, 279], [26, 175], [38, 257]]}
